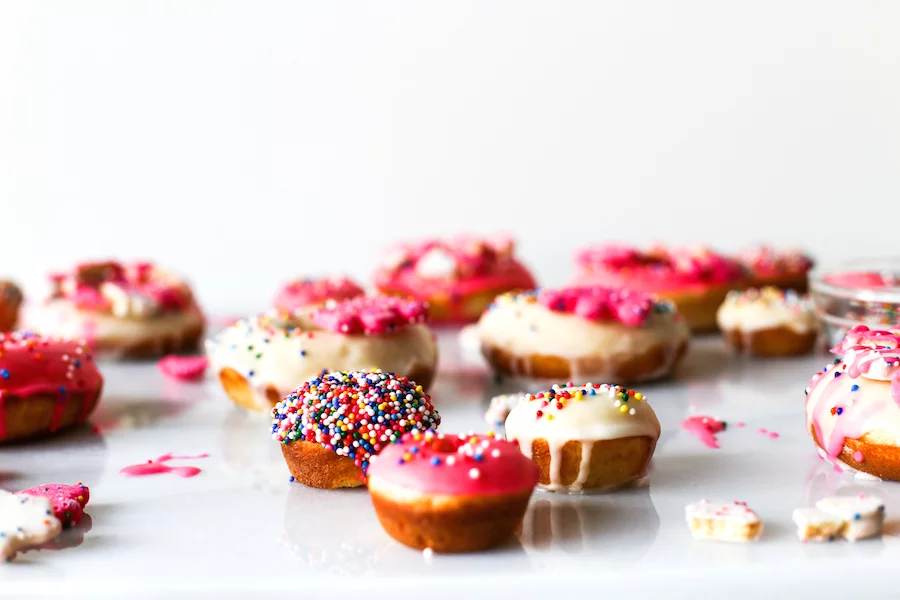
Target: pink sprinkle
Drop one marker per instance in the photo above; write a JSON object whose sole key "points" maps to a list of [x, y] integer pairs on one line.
{"points": [[762, 430], [741, 424], [774, 435], [185, 368], [858, 456]]}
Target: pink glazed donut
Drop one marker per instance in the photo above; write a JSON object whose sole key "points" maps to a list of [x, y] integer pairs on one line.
{"points": [[301, 294], [123, 310], [451, 493], [696, 280], [458, 278], [46, 385]]}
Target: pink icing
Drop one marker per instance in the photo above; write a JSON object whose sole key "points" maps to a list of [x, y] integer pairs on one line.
{"points": [[186, 368], [765, 261], [31, 364], [705, 428], [371, 315], [858, 456], [866, 352], [158, 466], [307, 292], [83, 286], [861, 280], [455, 465], [657, 269], [600, 304], [480, 265], [68, 501]]}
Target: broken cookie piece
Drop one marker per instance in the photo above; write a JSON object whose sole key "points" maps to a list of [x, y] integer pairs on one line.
{"points": [[731, 522]]}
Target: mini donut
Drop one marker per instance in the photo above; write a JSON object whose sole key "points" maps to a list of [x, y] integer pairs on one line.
{"points": [[331, 426], [46, 385], [853, 405], [260, 360], [307, 293], [785, 269], [457, 278], [123, 310], [582, 334], [10, 301], [695, 279], [593, 437], [460, 493], [768, 322]]}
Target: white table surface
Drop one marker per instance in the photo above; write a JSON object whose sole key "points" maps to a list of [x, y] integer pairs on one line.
{"points": [[240, 529]]}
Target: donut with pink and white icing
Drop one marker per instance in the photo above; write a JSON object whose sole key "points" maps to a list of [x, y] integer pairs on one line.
{"points": [[47, 384], [123, 310], [583, 333], [785, 269], [307, 293], [458, 278], [695, 279], [853, 404], [261, 359]]}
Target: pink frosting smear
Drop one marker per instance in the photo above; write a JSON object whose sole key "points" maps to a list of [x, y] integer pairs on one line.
{"points": [[83, 286], [474, 265], [705, 428], [370, 315], [184, 368], [864, 351], [765, 261], [657, 269], [600, 304], [32, 364], [455, 465], [158, 466], [861, 280], [308, 292], [68, 501]]}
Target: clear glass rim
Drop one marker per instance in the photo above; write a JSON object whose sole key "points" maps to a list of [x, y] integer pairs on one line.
{"points": [[888, 295]]}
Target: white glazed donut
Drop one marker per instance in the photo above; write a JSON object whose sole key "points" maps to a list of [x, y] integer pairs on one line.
{"points": [[583, 334], [768, 322], [261, 359], [593, 437], [133, 310]]}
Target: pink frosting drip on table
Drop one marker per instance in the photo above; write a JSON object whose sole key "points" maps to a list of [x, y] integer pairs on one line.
{"points": [[863, 349], [68, 501], [184, 368], [31, 364], [765, 261], [370, 315], [158, 466], [600, 304], [480, 265], [82, 286], [657, 269], [705, 428], [307, 292], [455, 465]]}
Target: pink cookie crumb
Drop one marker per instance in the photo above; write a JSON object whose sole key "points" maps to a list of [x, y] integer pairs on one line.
{"points": [[68, 501]]}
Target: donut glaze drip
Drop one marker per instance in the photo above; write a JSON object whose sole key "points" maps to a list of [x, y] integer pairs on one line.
{"points": [[657, 269], [353, 413], [308, 292], [455, 465], [370, 315], [31, 364], [859, 393]]}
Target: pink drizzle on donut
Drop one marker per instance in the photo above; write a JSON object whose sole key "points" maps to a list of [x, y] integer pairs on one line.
{"points": [[600, 304], [470, 266], [31, 364], [307, 292], [370, 315], [455, 465], [765, 261], [657, 269]]}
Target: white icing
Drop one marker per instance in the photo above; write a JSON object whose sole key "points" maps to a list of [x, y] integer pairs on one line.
{"points": [[817, 525], [437, 263], [526, 329], [25, 521], [592, 418], [755, 310], [863, 515], [286, 361], [500, 408]]}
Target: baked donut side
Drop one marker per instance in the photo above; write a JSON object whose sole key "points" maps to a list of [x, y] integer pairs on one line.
{"points": [[530, 335], [768, 322]]}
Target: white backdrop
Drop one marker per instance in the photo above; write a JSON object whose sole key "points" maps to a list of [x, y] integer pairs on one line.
{"points": [[243, 142]]}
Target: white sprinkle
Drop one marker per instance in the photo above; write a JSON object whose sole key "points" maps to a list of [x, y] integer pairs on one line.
{"points": [[474, 473], [495, 453], [450, 460], [632, 412]]}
